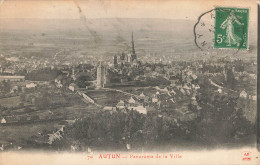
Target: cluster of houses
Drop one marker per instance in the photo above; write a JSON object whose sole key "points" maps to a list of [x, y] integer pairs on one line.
{"points": [[28, 85], [162, 98], [55, 135], [58, 83], [131, 104], [18, 83], [245, 95]]}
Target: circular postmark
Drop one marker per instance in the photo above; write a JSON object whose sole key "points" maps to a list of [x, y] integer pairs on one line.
{"points": [[222, 31]]}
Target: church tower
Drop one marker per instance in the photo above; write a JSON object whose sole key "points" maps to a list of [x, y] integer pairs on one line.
{"points": [[133, 48], [100, 75]]}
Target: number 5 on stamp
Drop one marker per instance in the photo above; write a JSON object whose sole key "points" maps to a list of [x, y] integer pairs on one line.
{"points": [[231, 28]]}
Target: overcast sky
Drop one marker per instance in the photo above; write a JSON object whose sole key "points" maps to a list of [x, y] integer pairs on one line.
{"points": [[67, 9]]}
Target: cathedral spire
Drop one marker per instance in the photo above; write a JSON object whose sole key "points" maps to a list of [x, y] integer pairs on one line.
{"points": [[133, 46]]}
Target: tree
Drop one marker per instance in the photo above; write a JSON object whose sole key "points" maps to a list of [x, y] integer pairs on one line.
{"points": [[6, 87], [22, 97], [42, 102], [231, 81], [82, 81]]}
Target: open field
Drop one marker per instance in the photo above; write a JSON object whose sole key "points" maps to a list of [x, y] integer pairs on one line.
{"points": [[76, 111], [19, 133], [107, 98], [10, 101]]}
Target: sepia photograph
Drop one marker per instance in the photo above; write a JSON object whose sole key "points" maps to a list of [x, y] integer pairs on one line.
{"points": [[128, 82]]}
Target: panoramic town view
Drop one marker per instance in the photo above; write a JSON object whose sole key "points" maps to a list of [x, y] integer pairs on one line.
{"points": [[121, 84]]}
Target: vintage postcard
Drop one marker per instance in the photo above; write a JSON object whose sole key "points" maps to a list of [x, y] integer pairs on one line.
{"points": [[128, 82]]}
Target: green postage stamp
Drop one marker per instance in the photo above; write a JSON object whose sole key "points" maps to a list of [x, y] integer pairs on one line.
{"points": [[231, 28]]}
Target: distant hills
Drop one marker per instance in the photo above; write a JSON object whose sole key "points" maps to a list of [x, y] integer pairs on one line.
{"points": [[104, 24], [167, 37]]}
